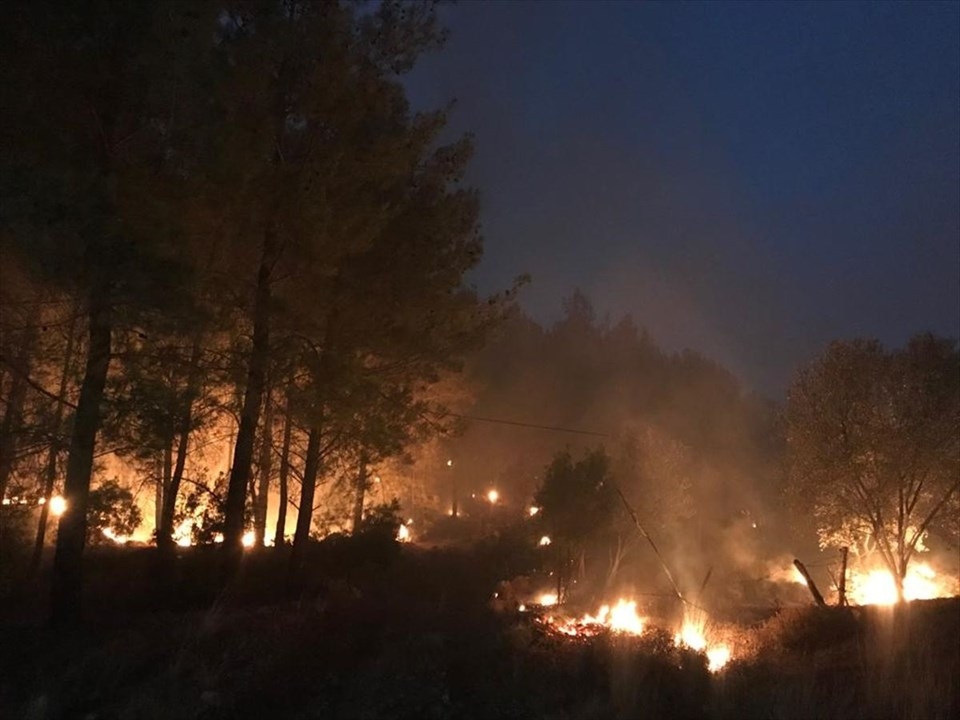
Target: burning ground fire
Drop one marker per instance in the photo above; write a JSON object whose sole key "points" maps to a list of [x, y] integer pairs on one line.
{"points": [[622, 618], [876, 586]]}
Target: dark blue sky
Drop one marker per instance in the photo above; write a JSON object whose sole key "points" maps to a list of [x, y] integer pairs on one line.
{"points": [[749, 180]]}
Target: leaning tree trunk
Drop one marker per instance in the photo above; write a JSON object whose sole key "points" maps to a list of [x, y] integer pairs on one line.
{"points": [[250, 412], [278, 538], [56, 443], [172, 489], [311, 469], [68, 561]]}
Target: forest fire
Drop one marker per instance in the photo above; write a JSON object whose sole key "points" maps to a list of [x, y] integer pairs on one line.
{"points": [[58, 506], [694, 635], [111, 535], [620, 618], [877, 586]]}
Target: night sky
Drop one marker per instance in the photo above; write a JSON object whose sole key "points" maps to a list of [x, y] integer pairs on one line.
{"points": [[749, 180]]}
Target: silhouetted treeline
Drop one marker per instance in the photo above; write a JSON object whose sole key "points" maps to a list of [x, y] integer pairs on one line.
{"points": [[221, 215], [698, 456]]}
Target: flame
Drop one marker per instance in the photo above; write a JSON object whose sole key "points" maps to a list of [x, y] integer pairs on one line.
{"points": [[693, 634], [717, 657], [248, 539], [544, 541], [403, 534], [547, 599], [624, 618], [493, 496], [621, 618], [877, 586], [111, 535], [58, 506], [183, 533], [533, 510]]}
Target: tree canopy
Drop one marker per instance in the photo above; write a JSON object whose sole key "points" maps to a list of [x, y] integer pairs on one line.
{"points": [[873, 438]]}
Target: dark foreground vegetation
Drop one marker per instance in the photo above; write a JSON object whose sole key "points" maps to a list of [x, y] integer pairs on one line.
{"points": [[410, 634]]}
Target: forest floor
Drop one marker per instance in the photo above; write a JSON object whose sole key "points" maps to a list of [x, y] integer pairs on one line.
{"points": [[377, 633]]}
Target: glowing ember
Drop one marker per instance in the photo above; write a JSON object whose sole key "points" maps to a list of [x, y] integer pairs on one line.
{"points": [[545, 540], [58, 506], [41, 501], [533, 511], [218, 538], [248, 539], [403, 534], [877, 587], [547, 599], [493, 496]]}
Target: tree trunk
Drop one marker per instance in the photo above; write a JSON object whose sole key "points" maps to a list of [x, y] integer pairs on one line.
{"points": [[311, 470], [811, 585], [250, 413], [266, 468], [166, 480], [172, 489], [68, 561], [158, 485], [13, 417], [278, 538], [56, 443], [360, 493], [455, 500], [616, 557], [898, 578], [185, 424], [842, 585]]}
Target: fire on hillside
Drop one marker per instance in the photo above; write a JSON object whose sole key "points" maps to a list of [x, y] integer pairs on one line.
{"points": [[622, 618]]}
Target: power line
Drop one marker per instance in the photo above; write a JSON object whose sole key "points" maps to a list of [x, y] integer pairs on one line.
{"points": [[535, 426]]}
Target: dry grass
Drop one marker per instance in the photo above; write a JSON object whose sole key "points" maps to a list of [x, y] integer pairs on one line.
{"points": [[410, 637]]}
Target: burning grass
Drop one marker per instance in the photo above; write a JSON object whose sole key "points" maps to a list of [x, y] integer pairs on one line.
{"points": [[411, 636], [695, 632]]}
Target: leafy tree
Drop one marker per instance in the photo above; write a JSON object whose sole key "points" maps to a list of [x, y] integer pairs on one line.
{"points": [[578, 502], [873, 437], [111, 513], [315, 144], [86, 120]]}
